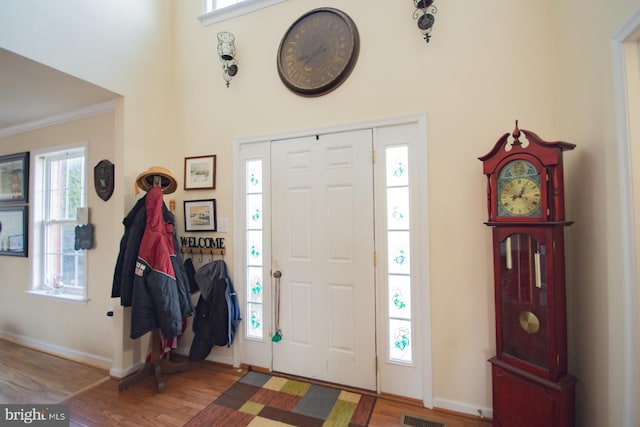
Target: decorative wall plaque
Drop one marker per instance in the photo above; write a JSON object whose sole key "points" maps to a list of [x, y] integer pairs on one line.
{"points": [[103, 179]]}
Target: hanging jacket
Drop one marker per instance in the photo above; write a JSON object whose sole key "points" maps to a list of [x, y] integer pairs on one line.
{"points": [[124, 274], [156, 300], [217, 312]]}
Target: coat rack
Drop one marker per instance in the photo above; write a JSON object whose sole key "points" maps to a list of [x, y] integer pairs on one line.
{"points": [[202, 251], [156, 366]]}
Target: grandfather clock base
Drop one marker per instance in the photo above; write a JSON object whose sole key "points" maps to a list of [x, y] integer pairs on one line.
{"points": [[526, 400]]}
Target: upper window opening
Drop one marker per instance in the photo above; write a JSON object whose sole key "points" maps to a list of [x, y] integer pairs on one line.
{"points": [[219, 4], [221, 10]]}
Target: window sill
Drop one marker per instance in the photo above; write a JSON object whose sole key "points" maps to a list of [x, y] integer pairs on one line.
{"points": [[64, 297], [235, 10]]}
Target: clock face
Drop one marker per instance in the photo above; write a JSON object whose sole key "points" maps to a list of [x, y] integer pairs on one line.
{"points": [[519, 193], [318, 52]]}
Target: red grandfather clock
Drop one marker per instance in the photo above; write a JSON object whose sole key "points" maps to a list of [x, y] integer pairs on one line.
{"points": [[531, 384]]}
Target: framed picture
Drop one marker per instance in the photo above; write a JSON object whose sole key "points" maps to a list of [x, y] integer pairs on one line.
{"points": [[200, 173], [200, 215], [14, 178], [13, 231]]}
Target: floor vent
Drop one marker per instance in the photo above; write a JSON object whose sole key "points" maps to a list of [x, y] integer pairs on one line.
{"points": [[416, 421]]}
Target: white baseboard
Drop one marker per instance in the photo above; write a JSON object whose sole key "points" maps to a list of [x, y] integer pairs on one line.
{"points": [[68, 353], [463, 408], [212, 357], [121, 373]]}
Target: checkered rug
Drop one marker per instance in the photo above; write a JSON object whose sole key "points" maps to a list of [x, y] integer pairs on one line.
{"points": [[259, 399]]}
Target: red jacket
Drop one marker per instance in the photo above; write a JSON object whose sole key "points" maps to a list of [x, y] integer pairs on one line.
{"points": [[155, 301]]}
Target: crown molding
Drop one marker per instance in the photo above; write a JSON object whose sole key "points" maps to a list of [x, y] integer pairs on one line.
{"points": [[80, 113]]}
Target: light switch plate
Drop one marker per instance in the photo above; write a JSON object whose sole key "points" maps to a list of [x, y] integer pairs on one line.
{"points": [[223, 225], [83, 215]]}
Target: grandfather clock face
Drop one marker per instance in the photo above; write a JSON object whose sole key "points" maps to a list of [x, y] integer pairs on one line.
{"points": [[523, 297], [518, 190]]}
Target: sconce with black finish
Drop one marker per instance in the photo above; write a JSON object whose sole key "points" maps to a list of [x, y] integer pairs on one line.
{"points": [[227, 54], [424, 14]]}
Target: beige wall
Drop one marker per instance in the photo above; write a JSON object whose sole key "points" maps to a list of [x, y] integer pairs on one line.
{"points": [[545, 63], [585, 100], [469, 83], [77, 329]]}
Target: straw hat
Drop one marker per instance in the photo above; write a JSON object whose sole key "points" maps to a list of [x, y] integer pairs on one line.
{"points": [[168, 181]]}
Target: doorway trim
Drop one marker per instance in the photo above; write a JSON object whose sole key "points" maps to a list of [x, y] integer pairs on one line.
{"points": [[630, 32], [252, 351]]}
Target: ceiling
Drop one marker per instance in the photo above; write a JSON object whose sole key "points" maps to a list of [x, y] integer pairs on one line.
{"points": [[31, 92]]}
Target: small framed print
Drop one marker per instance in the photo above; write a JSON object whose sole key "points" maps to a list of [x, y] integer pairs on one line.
{"points": [[14, 178], [200, 173], [200, 215], [13, 231]]}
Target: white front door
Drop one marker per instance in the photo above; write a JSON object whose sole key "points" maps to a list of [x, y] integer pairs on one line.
{"points": [[323, 246]]}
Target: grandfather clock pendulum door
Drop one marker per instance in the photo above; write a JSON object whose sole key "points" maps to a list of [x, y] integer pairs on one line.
{"points": [[525, 201]]}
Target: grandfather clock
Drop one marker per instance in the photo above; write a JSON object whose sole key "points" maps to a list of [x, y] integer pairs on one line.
{"points": [[525, 200]]}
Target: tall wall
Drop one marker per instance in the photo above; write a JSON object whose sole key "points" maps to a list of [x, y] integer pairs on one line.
{"points": [[126, 47], [483, 69], [584, 83]]}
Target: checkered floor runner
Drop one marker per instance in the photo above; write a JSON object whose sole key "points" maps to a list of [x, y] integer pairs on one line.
{"points": [[264, 400]]}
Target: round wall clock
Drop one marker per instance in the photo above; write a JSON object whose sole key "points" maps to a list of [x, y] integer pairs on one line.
{"points": [[318, 52]]}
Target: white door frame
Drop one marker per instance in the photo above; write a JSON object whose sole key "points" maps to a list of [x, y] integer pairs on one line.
{"points": [[629, 33], [258, 352]]}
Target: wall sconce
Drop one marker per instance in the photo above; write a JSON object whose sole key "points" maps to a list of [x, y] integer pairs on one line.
{"points": [[424, 14], [227, 54]]}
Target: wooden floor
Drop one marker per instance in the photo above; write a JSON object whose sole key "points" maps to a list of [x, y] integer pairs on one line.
{"points": [[30, 376], [185, 393]]}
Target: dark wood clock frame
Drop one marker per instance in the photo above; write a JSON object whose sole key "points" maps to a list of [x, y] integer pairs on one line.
{"points": [[318, 52], [530, 379], [545, 156]]}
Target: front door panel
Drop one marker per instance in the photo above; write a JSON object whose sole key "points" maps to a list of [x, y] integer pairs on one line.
{"points": [[322, 243]]}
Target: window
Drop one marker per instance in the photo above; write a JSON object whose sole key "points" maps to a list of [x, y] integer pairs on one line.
{"points": [[254, 263], [399, 257], [59, 190], [219, 4], [220, 10]]}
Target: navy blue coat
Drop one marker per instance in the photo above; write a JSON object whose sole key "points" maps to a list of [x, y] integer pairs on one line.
{"points": [[217, 313]]}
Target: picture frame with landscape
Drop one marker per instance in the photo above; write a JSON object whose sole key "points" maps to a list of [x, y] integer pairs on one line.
{"points": [[200, 173], [200, 215]]}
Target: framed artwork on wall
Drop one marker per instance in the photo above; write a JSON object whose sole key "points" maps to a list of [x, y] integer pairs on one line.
{"points": [[200, 215], [14, 178], [13, 231], [200, 173]]}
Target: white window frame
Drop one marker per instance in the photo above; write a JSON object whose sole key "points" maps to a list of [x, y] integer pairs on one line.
{"points": [[211, 14], [40, 201]]}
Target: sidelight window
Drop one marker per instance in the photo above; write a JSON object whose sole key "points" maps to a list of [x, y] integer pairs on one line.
{"points": [[254, 249], [398, 228]]}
